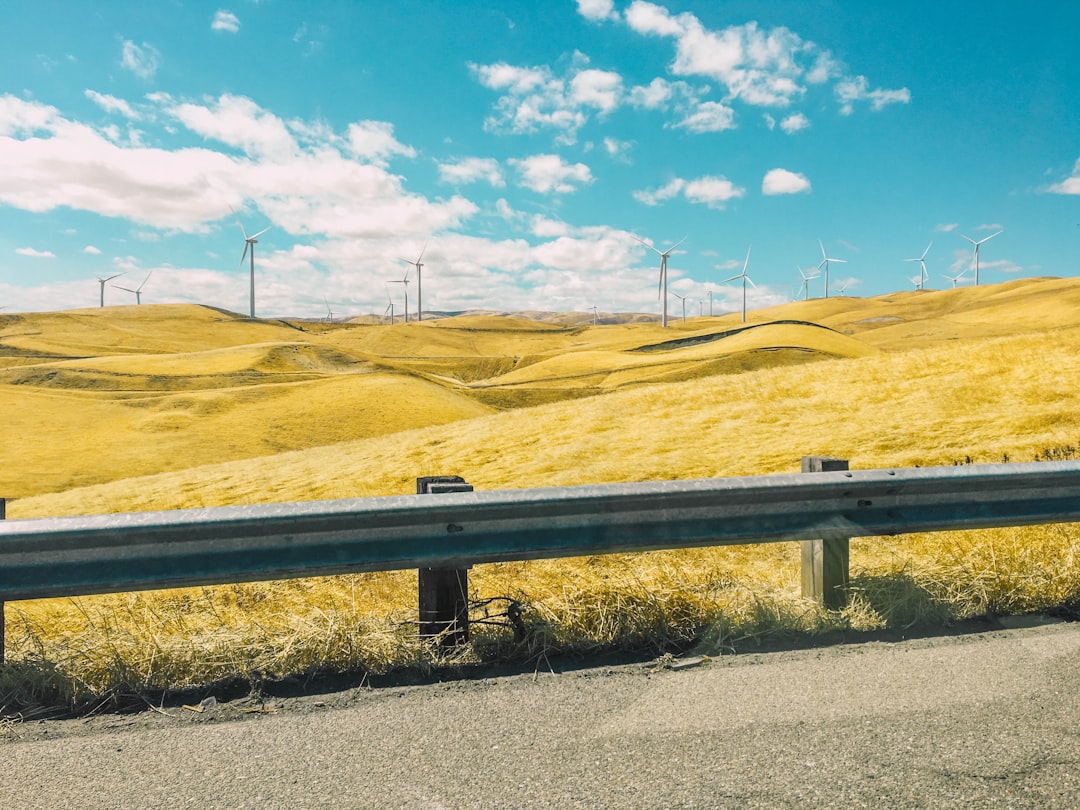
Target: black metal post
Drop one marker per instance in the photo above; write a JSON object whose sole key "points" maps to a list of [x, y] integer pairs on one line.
{"points": [[443, 592]]}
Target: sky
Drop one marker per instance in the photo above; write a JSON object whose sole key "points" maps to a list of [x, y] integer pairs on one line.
{"points": [[525, 147]]}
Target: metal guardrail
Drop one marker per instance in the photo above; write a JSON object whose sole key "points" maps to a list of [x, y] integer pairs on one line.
{"points": [[75, 556]]}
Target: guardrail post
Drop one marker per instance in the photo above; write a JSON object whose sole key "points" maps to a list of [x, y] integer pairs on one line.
{"points": [[3, 516], [443, 592], [825, 561]]}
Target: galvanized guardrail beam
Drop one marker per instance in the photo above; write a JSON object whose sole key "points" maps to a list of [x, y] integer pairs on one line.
{"points": [[138, 551]]}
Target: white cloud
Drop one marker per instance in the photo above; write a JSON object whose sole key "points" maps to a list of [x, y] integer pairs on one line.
{"points": [[325, 187], [770, 122], [597, 10], [653, 95], [375, 141], [947, 227], [550, 173], [112, 104], [1070, 185], [601, 89], [35, 254], [761, 67], [472, 170], [713, 191], [93, 251], [142, 60], [855, 89], [794, 123], [618, 149], [225, 21], [990, 226], [666, 192], [781, 181], [710, 116]]}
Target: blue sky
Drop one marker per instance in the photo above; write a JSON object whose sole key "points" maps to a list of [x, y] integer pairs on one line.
{"points": [[527, 145]]}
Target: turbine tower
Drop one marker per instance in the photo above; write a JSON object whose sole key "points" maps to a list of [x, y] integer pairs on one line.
{"points": [[662, 286], [975, 257], [404, 281], [683, 299], [329, 312], [923, 275], [102, 281], [958, 277], [389, 308], [804, 289], [249, 246], [595, 315], [745, 278], [825, 259], [419, 289], [137, 290]]}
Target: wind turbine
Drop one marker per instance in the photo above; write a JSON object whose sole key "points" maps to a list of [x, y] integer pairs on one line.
{"points": [[745, 278], [958, 277], [404, 281], [923, 275], [683, 299], [595, 316], [975, 258], [137, 290], [709, 293], [389, 308], [825, 259], [844, 286], [662, 286], [102, 281], [329, 312], [804, 290], [249, 245], [419, 288]]}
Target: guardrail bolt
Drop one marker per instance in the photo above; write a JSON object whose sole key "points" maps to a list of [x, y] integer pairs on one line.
{"points": [[825, 562], [443, 592]]}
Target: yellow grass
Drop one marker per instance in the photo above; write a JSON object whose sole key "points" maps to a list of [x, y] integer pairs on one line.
{"points": [[350, 420]]}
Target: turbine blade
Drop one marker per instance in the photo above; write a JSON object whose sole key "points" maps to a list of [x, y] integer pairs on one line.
{"points": [[646, 244], [726, 280], [969, 239], [745, 263], [244, 256], [260, 233], [752, 284], [674, 246], [839, 261], [823, 253], [926, 251], [991, 236]]}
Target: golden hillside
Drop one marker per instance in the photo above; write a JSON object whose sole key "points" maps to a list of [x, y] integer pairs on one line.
{"points": [[230, 410]]}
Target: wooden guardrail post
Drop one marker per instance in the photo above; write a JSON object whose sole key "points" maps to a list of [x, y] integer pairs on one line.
{"points": [[825, 560], [3, 516], [443, 592]]}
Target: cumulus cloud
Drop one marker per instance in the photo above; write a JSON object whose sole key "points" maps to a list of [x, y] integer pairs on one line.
{"points": [[947, 227], [225, 21], [142, 60], [93, 251], [760, 67], [112, 104], [35, 254], [472, 170], [713, 191], [710, 116], [794, 123], [781, 181], [597, 10], [1070, 185], [550, 173], [617, 149]]}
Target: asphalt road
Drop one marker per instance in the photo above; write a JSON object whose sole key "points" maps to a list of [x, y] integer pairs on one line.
{"points": [[979, 719]]}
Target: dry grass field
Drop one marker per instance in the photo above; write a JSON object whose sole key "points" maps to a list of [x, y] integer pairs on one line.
{"points": [[169, 407]]}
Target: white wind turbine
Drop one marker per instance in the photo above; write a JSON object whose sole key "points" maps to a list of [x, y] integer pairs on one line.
{"points": [[662, 287], [842, 287], [329, 312], [419, 288], [923, 275], [249, 246], [102, 281], [595, 315], [137, 290], [709, 293], [745, 278], [975, 257], [825, 259], [683, 299], [404, 282], [957, 278], [389, 307], [804, 289]]}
